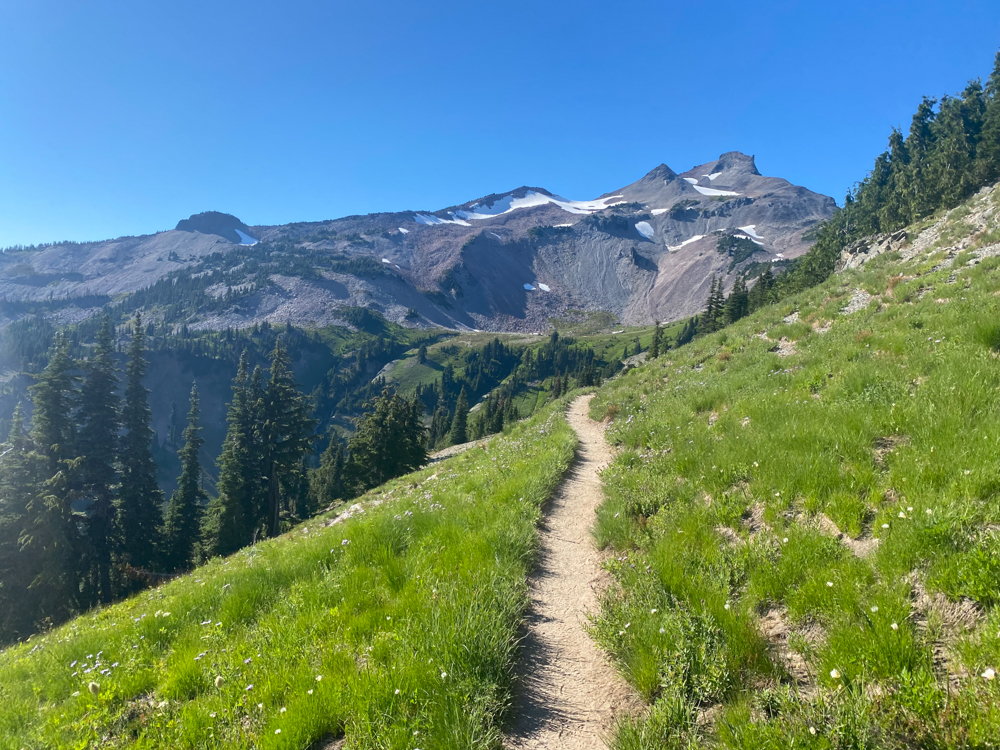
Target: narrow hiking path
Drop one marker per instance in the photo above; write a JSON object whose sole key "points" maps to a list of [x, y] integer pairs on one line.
{"points": [[568, 694]]}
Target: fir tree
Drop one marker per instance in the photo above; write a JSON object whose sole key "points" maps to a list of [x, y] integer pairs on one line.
{"points": [[422, 353], [231, 516], [286, 434], [50, 542], [326, 483], [98, 436], [388, 442], [738, 304], [654, 348], [182, 520], [459, 425], [140, 499], [18, 490]]}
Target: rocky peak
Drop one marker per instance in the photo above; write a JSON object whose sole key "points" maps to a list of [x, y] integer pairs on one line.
{"points": [[223, 225], [737, 163]]}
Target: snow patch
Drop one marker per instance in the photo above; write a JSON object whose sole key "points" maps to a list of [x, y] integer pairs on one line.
{"points": [[561, 225], [692, 180], [686, 242], [246, 239], [386, 260], [404, 231], [645, 229], [497, 236], [660, 211], [712, 191], [544, 287], [509, 203], [751, 230], [529, 288], [431, 220], [712, 176]]}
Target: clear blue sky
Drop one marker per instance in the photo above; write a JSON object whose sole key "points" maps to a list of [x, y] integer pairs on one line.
{"points": [[123, 117]]}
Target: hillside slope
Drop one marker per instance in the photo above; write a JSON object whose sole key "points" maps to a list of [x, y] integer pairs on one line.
{"points": [[804, 512], [506, 261], [394, 621]]}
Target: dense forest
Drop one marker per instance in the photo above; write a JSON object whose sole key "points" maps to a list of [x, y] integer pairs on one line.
{"points": [[83, 520]]}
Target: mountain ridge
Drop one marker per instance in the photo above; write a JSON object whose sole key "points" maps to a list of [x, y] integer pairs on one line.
{"points": [[505, 261]]}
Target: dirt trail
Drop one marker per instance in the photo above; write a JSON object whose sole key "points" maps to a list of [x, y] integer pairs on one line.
{"points": [[568, 693]]}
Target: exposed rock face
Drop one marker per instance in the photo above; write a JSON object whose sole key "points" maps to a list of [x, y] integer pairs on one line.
{"points": [[507, 261]]}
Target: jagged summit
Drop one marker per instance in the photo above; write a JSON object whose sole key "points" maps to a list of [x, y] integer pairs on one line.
{"points": [[223, 225], [737, 162]]}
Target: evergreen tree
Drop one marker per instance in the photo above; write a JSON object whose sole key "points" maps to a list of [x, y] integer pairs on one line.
{"points": [[422, 353], [174, 434], [18, 490], [231, 516], [440, 424], [286, 434], [654, 348], [98, 436], [50, 541], [388, 442], [688, 331], [182, 520], [326, 484], [459, 425], [140, 499], [738, 304]]}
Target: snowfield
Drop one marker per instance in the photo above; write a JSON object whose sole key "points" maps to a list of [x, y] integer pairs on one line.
{"points": [[645, 229], [430, 220], [544, 287], [404, 231], [692, 180], [529, 288], [712, 191], [509, 203], [246, 239], [686, 242]]}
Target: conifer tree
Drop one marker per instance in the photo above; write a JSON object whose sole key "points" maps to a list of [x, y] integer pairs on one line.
{"points": [[286, 434], [422, 353], [459, 425], [326, 484], [388, 442], [18, 489], [98, 436], [738, 304], [654, 348], [140, 499], [182, 520], [50, 542], [231, 515]]}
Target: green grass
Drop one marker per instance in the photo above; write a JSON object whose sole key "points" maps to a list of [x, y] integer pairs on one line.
{"points": [[397, 627], [889, 426]]}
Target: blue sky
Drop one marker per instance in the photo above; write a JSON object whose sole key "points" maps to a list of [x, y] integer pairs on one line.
{"points": [[124, 117]]}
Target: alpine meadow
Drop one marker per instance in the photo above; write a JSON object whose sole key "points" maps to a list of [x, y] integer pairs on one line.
{"points": [[708, 461]]}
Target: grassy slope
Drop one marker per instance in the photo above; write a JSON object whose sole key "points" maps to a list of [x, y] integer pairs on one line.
{"points": [[737, 612], [397, 626]]}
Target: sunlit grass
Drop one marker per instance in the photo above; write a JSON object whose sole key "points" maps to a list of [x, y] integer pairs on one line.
{"points": [[736, 472], [397, 627]]}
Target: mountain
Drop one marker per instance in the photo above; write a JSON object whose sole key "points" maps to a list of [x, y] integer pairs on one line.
{"points": [[508, 261]]}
